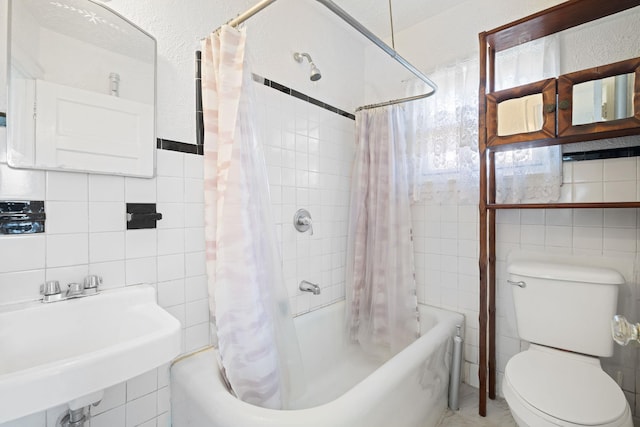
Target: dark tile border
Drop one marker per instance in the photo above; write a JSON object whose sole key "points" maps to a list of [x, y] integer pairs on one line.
{"points": [[182, 147], [258, 79], [292, 92], [608, 153], [199, 115]]}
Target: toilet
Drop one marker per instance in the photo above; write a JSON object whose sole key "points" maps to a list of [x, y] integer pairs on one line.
{"points": [[564, 312]]}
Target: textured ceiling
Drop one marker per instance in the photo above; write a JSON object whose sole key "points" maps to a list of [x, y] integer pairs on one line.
{"points": [[373, 14], [78, 18]]}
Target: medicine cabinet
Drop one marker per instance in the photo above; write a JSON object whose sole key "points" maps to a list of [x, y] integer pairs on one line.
{"points": [[82, 89]]}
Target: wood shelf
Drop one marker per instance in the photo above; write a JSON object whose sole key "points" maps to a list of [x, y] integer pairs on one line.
{"points": [[555, 19], [594, 205], [561, 17], [499, 146]]}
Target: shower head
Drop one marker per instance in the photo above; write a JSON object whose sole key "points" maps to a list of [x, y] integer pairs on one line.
{"points": [[315, 72]]}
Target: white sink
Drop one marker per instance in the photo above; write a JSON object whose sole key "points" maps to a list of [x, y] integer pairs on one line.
{"points": [[51, 354]]}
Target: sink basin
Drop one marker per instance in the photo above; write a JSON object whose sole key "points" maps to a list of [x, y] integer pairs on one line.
{"points": [[51, 354]]}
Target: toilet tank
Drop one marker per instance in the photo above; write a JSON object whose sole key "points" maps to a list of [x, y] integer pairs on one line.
{"points": [[565, 306]]}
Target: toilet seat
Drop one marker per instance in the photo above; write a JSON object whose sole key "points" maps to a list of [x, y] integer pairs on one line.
{"points": [[554, 387]]}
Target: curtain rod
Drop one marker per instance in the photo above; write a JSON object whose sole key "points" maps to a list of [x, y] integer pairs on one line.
{"points": [[365, 32]]}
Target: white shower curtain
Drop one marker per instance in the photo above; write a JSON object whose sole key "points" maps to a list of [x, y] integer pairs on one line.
{"points": [[251, 319], [382, 310]]}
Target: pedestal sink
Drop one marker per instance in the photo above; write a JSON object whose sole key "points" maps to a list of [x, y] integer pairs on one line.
{"points": [[51, 354]]}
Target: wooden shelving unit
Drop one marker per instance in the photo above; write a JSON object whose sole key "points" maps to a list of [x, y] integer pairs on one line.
{"points": [[558, 18]]}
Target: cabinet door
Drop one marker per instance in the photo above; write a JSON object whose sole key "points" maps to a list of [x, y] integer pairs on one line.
{"points": [[600, 99], [520, 114], [83, 130]]}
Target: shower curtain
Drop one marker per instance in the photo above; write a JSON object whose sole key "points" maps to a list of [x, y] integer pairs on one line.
{"points": [[382, 306], [251, 319]]}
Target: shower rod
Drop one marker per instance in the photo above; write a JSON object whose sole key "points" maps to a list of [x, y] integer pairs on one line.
{"points": [[365, 32]]}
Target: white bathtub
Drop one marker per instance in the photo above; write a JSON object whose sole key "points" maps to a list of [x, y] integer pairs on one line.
{"points": [[344, 387]]}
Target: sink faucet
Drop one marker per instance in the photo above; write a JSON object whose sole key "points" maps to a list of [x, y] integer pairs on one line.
{"points": [[309, 287], [51, 289]]}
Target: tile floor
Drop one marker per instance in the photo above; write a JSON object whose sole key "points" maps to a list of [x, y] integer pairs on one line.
{"points": [[498, 414]]}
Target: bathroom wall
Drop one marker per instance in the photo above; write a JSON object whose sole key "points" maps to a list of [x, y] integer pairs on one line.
{"points": [[442, 39], [308, 151], [446, 234]]}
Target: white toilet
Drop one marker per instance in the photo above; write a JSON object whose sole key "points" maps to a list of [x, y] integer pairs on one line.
{"points": [[564, 311]]}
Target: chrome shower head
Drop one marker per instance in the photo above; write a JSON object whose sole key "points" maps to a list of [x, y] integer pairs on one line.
{"points": [[315, 72]]}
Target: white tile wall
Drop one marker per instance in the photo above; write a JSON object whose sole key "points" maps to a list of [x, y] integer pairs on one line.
{"points": [[446, 255], [611, 180], [308, 153], [448, 276], [86, 233]]}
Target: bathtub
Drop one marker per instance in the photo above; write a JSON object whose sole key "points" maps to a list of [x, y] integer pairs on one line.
{"points": [[345, 388]]}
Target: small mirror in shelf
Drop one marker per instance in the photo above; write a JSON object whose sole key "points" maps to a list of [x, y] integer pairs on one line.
{"points": [[520, 115], [602, 100]]}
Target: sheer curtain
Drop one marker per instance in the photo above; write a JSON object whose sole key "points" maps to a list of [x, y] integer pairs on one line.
{"points": [[251, 318], [528, 175], [444, 141], [382, 305], [444, 154]]}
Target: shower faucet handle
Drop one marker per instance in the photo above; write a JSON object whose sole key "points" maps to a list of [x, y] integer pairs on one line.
{"points": [[302, 221]]}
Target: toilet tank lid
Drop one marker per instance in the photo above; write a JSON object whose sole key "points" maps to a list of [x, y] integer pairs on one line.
{"points": [[567, 272]]}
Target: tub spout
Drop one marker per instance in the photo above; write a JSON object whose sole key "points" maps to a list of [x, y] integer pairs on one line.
{"points": [[309, 287]]}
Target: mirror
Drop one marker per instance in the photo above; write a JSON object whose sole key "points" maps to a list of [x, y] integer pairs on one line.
{"points": [[520, 115], [603, 100], [600, 99], [82, 83]]}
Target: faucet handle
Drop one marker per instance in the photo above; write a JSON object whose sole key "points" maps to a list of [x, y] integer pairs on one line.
{"points": [[51, 291], [302, 221], [51, 287], [91, 284]]}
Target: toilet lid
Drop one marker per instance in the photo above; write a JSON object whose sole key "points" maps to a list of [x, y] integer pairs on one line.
{"points": [[566, 387]]}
